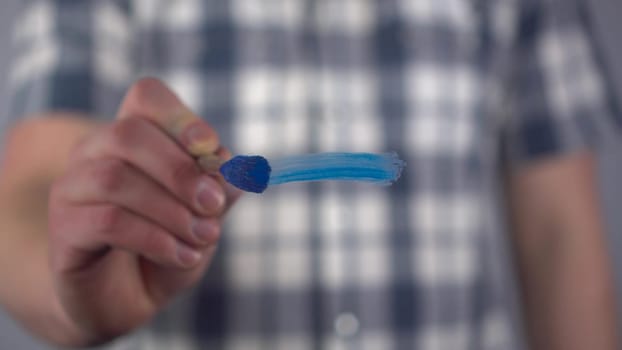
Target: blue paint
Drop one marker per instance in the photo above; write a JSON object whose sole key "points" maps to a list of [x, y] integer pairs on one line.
{"points": [[381, 169], [254, 174], [248, 173]]}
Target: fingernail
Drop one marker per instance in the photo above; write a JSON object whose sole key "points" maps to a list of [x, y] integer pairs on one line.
{"points": [[205, 230], [200, 139], [180, 122], [211, 199], [186, 255]]}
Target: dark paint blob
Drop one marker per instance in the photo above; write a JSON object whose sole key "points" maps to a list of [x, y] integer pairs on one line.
{"points": [[248, 173]]}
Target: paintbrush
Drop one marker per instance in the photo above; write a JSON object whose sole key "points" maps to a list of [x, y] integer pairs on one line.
{"points": [[256, 173]]}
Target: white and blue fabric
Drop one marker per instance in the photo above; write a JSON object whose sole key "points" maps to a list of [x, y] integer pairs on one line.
{"points": [[461, 89]]}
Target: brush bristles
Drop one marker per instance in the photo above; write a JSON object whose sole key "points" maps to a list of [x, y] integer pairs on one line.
{"points": [[248, 173]]}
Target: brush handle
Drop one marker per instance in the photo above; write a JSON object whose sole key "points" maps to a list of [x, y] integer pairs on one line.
{"points": [[382, 168]]}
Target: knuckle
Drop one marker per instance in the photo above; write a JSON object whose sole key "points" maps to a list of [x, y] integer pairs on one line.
{"points": [[182, 171], [124, 133], [61, 188], [159, 243], [108, 219], [78, 150], [142, 91], [109, 175]]}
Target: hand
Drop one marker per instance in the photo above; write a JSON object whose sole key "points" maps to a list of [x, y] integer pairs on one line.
{"points": [[134, 220]]}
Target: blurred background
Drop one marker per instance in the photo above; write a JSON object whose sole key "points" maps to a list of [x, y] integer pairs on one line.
{"points": [[606, 15]]}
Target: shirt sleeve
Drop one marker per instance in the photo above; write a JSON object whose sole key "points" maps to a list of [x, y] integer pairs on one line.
{"points": [[70, 56], [558, 102]]}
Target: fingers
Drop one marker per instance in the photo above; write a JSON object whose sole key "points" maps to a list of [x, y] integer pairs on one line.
{"points": [[112, 226], [141, 144], [112, 181], [150, 99], [136, 185]]}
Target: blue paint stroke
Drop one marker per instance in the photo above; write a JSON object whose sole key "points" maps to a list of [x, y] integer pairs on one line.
{"points": [[382, 169], [250, 173]]}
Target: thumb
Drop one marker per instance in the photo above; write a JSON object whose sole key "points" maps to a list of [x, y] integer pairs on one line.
{"points": [[151, 99]]}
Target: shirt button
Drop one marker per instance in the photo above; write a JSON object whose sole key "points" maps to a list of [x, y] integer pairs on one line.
{"points": [[346, 325]]}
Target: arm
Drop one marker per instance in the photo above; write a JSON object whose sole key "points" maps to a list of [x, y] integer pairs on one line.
{"points": [[561, 255], [35, 153], [81, 225]]}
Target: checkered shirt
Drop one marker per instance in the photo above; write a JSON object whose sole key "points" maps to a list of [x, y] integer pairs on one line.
{"points": [[459, 88]]}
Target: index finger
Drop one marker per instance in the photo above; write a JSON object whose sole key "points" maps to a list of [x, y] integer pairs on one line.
{"points": [[151, 99]]}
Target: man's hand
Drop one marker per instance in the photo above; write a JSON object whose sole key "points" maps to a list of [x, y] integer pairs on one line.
{"points": [[133, 220]]}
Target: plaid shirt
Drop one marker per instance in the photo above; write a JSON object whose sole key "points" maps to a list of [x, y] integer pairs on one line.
{"points": [[456, 87]]}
